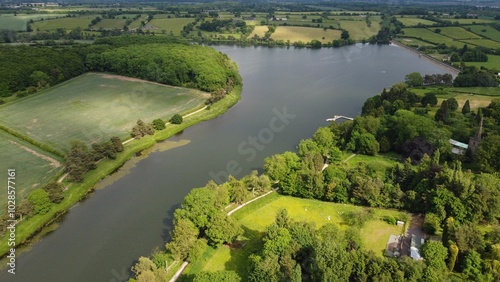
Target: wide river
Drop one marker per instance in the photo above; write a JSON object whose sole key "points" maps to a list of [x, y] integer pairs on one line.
{"points": [[287, 95]]}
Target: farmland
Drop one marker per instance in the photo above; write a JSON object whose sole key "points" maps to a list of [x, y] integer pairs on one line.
{"points": [[110, 24], [256, 216], [483, 42], [18, 22], [260, 31], [456, 32], [413, 21], [359, 30], [430, 36], [34, 167], [304, 34], [66, 23], [84, 111], [486, 31], [173, 25]]}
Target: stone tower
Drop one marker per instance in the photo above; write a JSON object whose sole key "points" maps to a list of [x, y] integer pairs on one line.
{"points": [[474, 141]]}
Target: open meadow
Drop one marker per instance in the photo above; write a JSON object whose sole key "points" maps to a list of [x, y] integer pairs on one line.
{"points": [[94, 107], [431, 36], [18, 22], [413, 21], [305, 34], [492, 63], [66, 23], [34, 167], [457, 32], [260, 31], [173, 25], [359, 30], [256, 216], [486, 31]]}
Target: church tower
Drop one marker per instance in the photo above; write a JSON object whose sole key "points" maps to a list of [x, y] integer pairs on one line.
{"points": [[474, 141]]}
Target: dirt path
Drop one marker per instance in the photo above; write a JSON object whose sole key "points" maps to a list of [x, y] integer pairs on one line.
{"points": [[53, 162]]}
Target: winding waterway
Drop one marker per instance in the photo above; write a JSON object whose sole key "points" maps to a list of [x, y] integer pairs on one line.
{"points": [[287, 95]]}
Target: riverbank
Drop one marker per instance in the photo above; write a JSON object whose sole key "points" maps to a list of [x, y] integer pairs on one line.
{"points": [[28, 228], [453, 70]]}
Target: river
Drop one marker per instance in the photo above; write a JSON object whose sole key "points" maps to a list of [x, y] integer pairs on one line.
{"points": [[287, 95]]}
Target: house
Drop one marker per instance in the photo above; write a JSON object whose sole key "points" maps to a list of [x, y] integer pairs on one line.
{"points": [[416, 243], [457, 147]]}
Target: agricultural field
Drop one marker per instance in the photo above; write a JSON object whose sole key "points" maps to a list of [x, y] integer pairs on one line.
{"points": [[66, 23], [138, 23], [110, 24], [359, 30], [173, 25], [471, 21], [94, 107], [18, 22], [483, 42], [492, 63], [457, 32], [415, 42], [260, 31], [255, 217], [34, 167], [413, 21], [477, 96], [431, 36], [304, 34], [486, 31]]}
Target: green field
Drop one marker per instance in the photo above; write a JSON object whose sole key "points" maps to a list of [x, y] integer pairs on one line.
{"points": [[431, 36], [492, 63], [66, 23], [486, 31], [456, 32], [358, 30], [173, 25], [9, 21], [413, 21], [483, 42], [34, 167], [471, 21], [110, 24], [305, 34], [256, 216], [415, 42], [94, 107]]}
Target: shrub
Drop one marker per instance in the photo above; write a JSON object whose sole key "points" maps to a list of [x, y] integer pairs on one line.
{"points": [[176, 119], [158, 124]]}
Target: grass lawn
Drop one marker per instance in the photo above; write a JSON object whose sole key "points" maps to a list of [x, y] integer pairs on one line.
{"points": [[413, 21], [66, 23], [93, 107], [431, 36], [457, 32], [305, 34], [9, 21], [174, 25], [256, 216], [358, 30], [486, 31], [34, 167]]}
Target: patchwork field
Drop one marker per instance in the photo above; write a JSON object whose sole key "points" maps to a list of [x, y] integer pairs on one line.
{"points": [[486, 31], [66, 23], [415, 42], [456, 32], [413, 21], [34, 168], [110, 24], [304, 34], [173, 25], [9, 21], [94, 107], [483, 42], [431, 36], [256, 216], [492, 63]]}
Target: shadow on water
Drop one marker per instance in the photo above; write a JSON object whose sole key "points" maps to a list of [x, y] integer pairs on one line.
{"points": [[168, 223]]}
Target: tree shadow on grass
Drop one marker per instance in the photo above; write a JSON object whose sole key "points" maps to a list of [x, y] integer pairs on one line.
{"points": [[250, 242]]}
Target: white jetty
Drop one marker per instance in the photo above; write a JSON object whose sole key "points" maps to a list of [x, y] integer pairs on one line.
{"points": [[334, 118]]}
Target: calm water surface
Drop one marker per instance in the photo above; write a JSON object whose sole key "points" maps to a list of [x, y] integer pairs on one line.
{"points": [[287, 95]]}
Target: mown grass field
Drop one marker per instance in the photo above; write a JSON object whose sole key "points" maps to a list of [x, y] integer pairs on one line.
{"points": [[304, 34], [256, 216], [413, 21], [93, 107], [457, 32], [173, 25], [415, 42], [486, 31], [9, 21], [260, 31], [431, 36], [34, 167], [66, 23]]}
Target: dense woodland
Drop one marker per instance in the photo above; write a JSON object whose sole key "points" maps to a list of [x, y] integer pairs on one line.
{"points": [[429, 179]]}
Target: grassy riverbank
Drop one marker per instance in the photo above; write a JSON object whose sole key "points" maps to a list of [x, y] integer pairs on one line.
{"points": [[78, 191]]}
